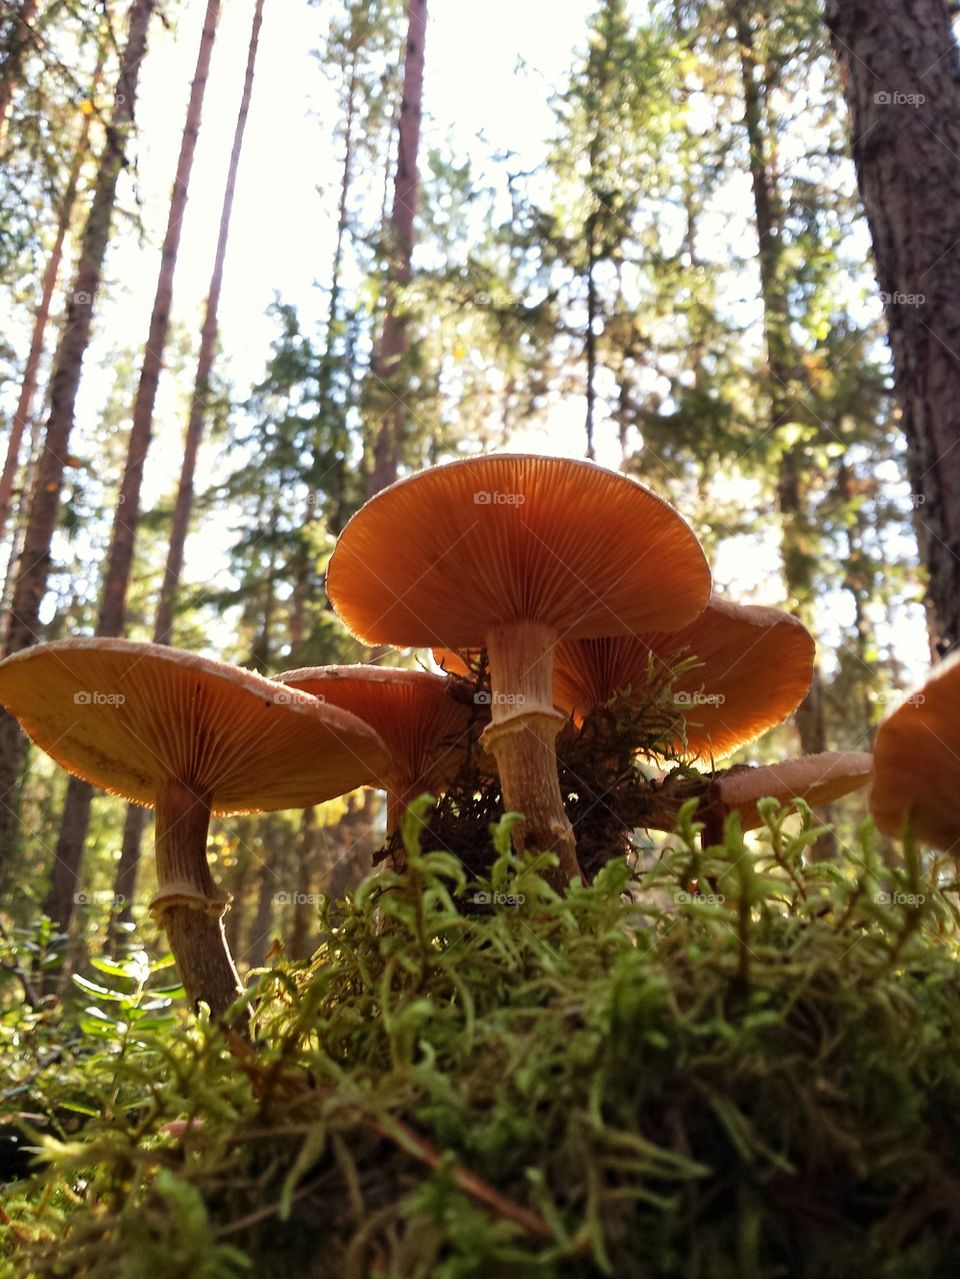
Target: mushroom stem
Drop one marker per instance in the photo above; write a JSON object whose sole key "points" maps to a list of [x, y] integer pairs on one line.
{"points": [[188, 905], [522, 738]]}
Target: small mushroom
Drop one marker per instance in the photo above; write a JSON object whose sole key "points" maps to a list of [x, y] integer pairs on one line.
{"points": [[917, 762], [515, 553], [188, 737], [424, 726], [752, 666], [818, 779]]}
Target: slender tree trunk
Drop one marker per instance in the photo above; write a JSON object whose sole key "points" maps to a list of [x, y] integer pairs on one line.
{"points": [[17, 43], [65, 381], [120, 556], [28, 386], [19, 524], [901, 78], [128, 866], [393, 340], [76, 811], [183, 507], [591, 337], [768, 207]]}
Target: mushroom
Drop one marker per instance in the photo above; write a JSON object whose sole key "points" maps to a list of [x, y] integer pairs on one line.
{"points": [[917, 762], [818, 779], [751, 667], [188, 737], [516, 552], [424, 726]]}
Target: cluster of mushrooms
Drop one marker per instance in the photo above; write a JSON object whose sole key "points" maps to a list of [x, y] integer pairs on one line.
{"points": [[571, 579]]}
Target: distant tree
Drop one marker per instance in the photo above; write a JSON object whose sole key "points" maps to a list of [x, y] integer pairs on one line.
{"points": [[24, 621], [390, 389], [28, 386], [128, 864], [16, 40]]}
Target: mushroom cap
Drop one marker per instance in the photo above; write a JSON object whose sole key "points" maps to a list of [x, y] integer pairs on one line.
{"points": [[917, 769], [818, 779], [130, 717], [423, 726], [754, 666], [443, 557]]}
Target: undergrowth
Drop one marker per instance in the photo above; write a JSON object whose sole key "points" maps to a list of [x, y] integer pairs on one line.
{"points": [[739, 1064]]}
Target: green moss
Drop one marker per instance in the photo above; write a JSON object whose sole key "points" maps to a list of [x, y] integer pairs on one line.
{"points": [[741, 1064]]}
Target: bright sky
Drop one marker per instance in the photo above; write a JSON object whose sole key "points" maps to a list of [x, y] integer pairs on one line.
{"points": [[281, 239]]}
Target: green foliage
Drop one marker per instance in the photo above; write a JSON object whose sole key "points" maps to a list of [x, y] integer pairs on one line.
{"points": [[739, 1063]]}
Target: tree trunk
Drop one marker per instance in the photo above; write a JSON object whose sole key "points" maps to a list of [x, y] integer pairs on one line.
{"points": [[768, 212], [67, 368], [901, 77], [393, 340], [120, 556], [17, 42], [28, 386], [76, 812], [208, 342], [128, 867]]}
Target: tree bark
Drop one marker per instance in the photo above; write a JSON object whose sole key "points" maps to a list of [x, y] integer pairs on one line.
{"points": [[18, 40], [128, 866], [76, 813], [28, 386], [208, 343], [65, 381], [393, 340], [901, 78], [781, 362]]}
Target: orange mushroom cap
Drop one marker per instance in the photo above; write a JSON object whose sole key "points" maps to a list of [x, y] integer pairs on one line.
{"points": [[131, 717], [917, 769], [818, 779], [753, 667], [444, 556], [423, 727]]}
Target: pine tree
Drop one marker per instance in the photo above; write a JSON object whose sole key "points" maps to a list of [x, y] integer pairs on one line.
{"points": [[387, 368], [23, 625], [901, 76]]}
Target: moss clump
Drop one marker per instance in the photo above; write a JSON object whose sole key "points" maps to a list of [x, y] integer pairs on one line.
{"points": [[740, 1064]]}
